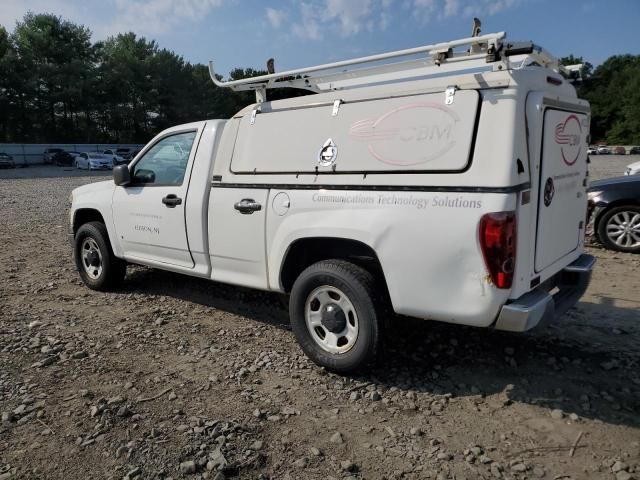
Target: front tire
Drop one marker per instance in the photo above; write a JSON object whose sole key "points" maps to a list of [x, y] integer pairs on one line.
{"points": [[619, 229], [99, 268], [334, 315]]}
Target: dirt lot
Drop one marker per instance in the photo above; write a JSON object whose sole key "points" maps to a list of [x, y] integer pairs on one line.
{"points": [[178, 377]]}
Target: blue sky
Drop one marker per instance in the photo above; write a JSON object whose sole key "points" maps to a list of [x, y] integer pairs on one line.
{"points": [[301, 33]]}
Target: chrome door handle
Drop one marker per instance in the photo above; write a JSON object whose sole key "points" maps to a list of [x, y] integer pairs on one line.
{"points": [[247, 206]]}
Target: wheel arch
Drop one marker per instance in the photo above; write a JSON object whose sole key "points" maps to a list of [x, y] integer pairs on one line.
{"points": [[86, 215], [306, 251]]}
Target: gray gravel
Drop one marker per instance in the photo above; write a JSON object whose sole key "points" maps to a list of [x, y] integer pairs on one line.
{"points": [[174, 377]]}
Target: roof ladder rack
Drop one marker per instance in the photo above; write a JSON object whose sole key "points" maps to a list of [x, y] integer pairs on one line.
{"points": [[390, 67]]}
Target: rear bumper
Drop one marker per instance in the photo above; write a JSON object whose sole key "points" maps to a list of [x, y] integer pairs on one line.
{"points": [[541, 305]]}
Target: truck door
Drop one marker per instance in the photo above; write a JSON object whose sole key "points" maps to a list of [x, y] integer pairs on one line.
{"points": [[562, 190], [237, 219], [149, 214]]}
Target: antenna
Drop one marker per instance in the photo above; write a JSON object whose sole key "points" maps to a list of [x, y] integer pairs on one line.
{"points": [[475, 31], [271, 66]]}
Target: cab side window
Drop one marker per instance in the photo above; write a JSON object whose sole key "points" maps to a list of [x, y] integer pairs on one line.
{"points": [[166, 162]]}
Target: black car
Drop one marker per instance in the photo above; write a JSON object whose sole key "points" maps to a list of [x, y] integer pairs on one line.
{"points": [[634, 151], [6, 161], [63, 158], [124, 153], [614, 209]]}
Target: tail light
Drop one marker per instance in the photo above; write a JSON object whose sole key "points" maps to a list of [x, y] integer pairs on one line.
{"points": [[498, 244]]}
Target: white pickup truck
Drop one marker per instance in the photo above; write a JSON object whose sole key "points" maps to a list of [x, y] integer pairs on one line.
{"points": [[448, 186]]}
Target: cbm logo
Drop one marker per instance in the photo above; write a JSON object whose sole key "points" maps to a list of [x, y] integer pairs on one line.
{"points": [[408, 135]]}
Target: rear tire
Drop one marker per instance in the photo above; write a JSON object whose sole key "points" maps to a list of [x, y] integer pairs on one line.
{"points": [[335, 316], [99, 268], [619, 229]]}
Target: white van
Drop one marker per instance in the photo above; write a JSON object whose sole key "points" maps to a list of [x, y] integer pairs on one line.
{"points": [[449, 186]]}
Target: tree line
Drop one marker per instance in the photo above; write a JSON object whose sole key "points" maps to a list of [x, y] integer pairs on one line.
{"points": [[57, 86]]}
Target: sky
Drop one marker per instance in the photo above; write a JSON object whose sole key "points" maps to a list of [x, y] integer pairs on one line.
{"points": [[245, 33]]}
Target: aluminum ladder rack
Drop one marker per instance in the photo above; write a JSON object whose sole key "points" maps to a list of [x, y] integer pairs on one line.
{"points": [[483, 52]]}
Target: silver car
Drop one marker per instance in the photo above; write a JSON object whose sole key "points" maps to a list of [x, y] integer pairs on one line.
{"points": [[94, 161]]}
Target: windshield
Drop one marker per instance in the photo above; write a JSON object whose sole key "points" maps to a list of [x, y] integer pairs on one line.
{"points": [[98, 156]]}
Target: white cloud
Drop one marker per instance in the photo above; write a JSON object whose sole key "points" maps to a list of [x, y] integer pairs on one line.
{"points": [[308, 19], [427, 10], [276, 17], [424, 8], [451, 7], [352, 15], [152, 17], [342, 17], [13, 11], [145, 17], [385, 20], [309, 25]]}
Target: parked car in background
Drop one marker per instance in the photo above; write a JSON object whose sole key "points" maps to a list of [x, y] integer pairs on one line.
{"points": [[614, 212], [47, 157], [117, 159], [603, 150], [125, 153], [592, 150], [6, 161], [125, 160], [633, 169], [64, 158], [619, 151], [634, 151], [94, 161]]}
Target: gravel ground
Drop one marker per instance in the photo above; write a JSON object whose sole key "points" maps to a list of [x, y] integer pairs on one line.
{"points": [[175, 377]]}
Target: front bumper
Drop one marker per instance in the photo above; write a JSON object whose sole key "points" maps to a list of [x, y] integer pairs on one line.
{"points": [[540, 305]]}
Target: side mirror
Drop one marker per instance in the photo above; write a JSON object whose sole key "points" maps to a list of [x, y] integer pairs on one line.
{"points": [[121, 175]]}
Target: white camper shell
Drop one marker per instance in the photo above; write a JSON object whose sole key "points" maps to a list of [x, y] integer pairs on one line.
{"points": [[450, 186]]}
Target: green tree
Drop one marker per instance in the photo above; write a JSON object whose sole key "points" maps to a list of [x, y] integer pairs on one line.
{"points": [[129, 101], [52, 57], [7, 85], [614, 94]]}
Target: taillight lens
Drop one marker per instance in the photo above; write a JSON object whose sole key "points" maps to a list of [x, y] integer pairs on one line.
{"points": [[498, 244]]}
